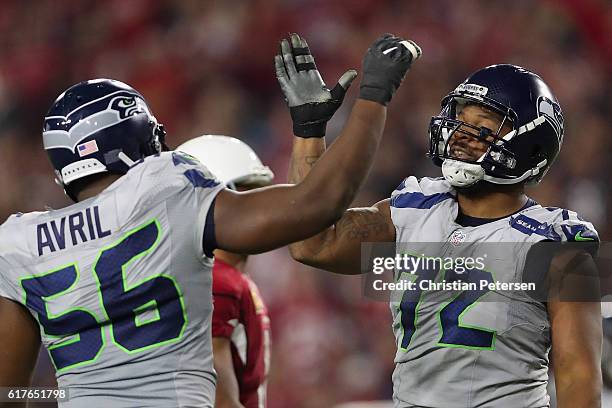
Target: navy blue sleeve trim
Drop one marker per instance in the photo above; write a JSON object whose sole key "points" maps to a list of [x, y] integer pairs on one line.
{"points": [[419, 200], [209, 241]]}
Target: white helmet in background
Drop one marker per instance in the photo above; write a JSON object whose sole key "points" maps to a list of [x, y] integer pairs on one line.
{"points": [[231, 160]]}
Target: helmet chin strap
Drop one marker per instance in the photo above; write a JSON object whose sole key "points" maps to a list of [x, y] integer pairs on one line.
{"points": [[531, 172]]}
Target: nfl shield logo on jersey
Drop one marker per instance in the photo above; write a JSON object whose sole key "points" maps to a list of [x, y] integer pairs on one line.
{"points": [[457, 237]]}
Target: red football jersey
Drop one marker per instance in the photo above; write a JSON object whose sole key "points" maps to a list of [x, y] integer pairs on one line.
{"points": [[240, 315]]}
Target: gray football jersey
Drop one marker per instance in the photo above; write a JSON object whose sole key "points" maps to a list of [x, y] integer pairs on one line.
{"points": [[484, 348], [121, 288]]}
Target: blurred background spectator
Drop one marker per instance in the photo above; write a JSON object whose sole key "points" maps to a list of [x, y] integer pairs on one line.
{"points": [[206, 67]]}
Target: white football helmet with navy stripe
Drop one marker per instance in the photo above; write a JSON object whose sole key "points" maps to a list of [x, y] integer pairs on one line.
{"points": [[231, 160]]}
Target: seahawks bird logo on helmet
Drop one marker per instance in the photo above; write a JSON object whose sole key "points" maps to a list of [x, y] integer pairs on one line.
{"points": [[128, 106], [552, 113]]}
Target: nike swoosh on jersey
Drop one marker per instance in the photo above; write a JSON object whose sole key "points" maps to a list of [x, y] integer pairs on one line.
{"points": [[579, 237]]}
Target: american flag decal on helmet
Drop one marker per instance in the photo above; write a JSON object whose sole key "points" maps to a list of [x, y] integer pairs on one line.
{"points": [[87, 148]]}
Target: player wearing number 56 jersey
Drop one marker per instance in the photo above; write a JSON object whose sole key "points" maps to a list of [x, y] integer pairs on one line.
{"points": [[118, 286], [240, 322], [499, 130]]}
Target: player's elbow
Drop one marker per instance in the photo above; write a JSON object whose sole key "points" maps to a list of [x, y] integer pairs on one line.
{"points": [[296, 252], [299, 254]]}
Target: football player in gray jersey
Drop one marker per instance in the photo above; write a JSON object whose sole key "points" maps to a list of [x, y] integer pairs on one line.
{"points": [[498, 131], [117, 287]]}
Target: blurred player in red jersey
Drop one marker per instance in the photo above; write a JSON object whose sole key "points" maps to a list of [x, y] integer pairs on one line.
{"points": [[240, 323]]}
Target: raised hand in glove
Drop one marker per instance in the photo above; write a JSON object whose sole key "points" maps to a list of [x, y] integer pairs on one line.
{"points": [[310, 102], [384, 67]]}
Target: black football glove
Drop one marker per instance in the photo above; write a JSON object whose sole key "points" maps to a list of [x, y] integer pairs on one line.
{"points": [[384, 67], [310, 102]]}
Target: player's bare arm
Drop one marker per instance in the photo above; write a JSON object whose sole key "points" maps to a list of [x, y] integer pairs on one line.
{"points": [[279, 215], [19, 344], [576, 332], [227, 393], [337, 248], [282, 214]]}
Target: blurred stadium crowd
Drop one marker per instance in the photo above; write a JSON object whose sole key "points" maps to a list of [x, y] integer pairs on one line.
{"points": [[206, 67]]}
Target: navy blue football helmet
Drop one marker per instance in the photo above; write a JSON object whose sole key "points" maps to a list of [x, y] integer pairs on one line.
{"points": [[96, 126], [524, 102]]}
